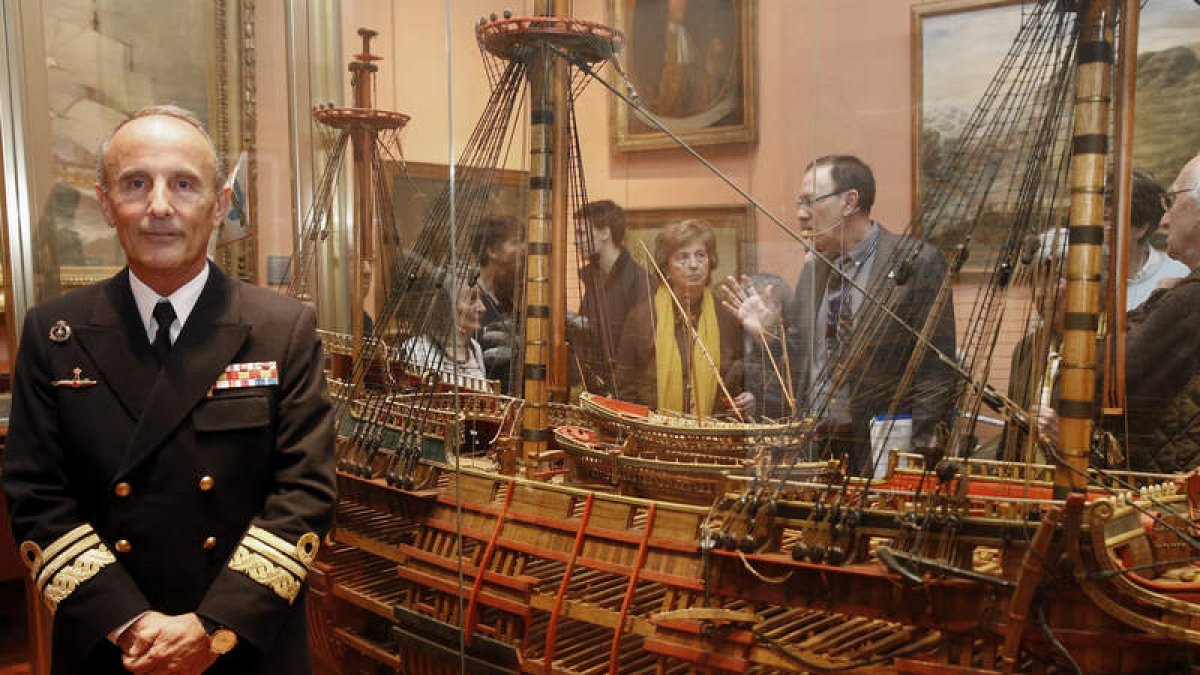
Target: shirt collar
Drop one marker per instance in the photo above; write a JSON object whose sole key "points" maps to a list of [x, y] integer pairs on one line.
{"points": [[183, 300], [863, 250]]}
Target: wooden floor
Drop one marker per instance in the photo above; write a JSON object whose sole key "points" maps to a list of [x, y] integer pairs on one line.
{"points": [[14, 640]]}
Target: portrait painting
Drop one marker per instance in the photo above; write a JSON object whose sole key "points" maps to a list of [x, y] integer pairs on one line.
{"points": [[693, 66], [420, 191], [733, 227]]}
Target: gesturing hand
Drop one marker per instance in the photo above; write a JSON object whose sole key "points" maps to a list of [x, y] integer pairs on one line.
{"points": [[755, 310]]}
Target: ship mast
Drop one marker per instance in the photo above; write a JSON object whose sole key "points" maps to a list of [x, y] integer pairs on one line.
{"points": [[1093, 104], [546, 240], [364, 124], [548, 41]]}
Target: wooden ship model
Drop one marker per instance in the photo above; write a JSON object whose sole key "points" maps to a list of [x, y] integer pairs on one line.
{"points": [[488, 533]]}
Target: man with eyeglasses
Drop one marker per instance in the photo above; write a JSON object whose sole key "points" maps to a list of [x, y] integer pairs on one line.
{"points": [[169, 464], [847, 358], [1162, 351]]}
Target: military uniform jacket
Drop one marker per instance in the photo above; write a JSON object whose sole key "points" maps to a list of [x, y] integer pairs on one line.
{"points": [[152, 489]]}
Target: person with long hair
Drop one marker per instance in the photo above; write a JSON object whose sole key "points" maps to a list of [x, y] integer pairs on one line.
{"points": [[448, 344], [681, 351]]}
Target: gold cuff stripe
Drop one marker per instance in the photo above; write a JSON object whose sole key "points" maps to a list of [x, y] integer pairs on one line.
{"points": [[53, 565], [279, 559], [59, 545], [83, 568], [299, 551], [264, 572]]}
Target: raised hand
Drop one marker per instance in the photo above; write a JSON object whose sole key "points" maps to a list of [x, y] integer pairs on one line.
{"points": [[755, 310]]}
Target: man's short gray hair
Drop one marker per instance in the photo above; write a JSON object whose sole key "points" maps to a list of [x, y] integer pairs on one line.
{"points": [[165, 110]]}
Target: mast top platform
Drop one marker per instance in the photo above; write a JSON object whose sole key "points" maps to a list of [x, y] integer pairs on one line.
{"points": [[342, 118], [585, 40], [364, 115]]}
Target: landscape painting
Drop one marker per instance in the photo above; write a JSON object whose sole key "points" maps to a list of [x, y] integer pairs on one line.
{"points": [[960, 44]]}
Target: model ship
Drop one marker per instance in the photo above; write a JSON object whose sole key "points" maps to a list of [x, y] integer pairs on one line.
{"points": [[489, 533]]}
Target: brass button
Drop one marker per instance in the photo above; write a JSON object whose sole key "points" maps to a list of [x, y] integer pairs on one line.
{"points": [[206, 483], [122, 489], [210, 543], [123, 546]]}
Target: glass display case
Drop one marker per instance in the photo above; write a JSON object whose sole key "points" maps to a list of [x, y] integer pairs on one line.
{"points": [[718, 335]]}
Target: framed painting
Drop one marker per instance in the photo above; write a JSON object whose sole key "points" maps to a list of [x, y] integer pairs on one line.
{"points": [[416, 185], [733, 226], [103, 61], [959, 44], [693, 64]]}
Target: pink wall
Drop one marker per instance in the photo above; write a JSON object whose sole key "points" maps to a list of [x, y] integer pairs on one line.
{"points": [[833, 77], [273, 160]]}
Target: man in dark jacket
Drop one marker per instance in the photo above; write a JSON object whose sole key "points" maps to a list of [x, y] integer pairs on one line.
{"points": [[1162, 352], [613, 284], [850, 360], [169, 462]]}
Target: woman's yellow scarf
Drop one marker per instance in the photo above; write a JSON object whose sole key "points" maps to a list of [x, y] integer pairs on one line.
{"points": [[667, 362]]}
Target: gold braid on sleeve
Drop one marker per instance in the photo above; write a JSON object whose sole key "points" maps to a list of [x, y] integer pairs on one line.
{"points": [[274, 562], [66, 564]]}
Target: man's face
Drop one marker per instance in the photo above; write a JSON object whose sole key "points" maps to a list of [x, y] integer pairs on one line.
{"points": [[820, 211], [506, 253], [162, 199], [1182, 220]]}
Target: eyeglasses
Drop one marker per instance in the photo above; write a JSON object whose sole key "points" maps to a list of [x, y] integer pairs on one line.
{"points": [[807, 202], [1167, 200]]}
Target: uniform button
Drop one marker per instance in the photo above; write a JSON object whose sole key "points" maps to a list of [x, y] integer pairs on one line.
{"points": [[206, 483], [122, 489], [210, 543], [123, 546]]}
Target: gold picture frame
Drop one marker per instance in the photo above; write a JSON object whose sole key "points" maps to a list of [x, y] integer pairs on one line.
{"points": [[733, 225], [707, 92]]}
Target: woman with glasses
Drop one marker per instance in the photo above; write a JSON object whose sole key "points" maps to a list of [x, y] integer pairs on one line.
{"points": [[681, 350]]}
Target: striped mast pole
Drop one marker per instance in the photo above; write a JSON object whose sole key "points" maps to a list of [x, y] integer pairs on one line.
{"points": [[546, 232], [1089, 154]]}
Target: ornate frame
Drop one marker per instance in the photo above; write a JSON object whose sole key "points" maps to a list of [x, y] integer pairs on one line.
{"points": [[708, 126]]}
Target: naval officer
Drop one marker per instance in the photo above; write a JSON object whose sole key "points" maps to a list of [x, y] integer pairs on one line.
{"points": [[169, 465]]}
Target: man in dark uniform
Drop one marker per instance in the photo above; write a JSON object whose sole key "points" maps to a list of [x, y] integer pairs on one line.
{"points": [[169, 463]]}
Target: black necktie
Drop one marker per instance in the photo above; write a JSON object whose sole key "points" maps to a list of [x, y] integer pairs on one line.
{"points": [[164, 314]]}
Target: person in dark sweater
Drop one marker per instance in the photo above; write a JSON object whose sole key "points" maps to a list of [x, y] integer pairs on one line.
{"points": [[613, 284]]}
